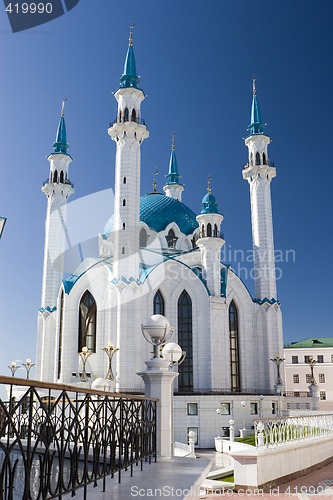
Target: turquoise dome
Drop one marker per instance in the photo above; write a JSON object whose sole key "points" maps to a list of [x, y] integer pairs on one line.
{"points": [[209, 204], [158, 211]]}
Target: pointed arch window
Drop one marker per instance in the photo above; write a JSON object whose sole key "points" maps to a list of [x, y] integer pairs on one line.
{"points": [[185, 379], [87, 322], [61, 321], [264, 159], [257, 158], [124, 202], [209, 229], [202, 231], [234, 347], [171, 239], [143, 238], [126, 115], [61, 177], [215, 234], [55, 176], [158, 305], [133, 115], [119, 120]]}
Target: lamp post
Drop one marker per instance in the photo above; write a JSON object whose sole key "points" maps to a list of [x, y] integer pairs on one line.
{"points": [[311, 362], [110, 352], [13, 367], [278, 383], [28, 365], [173, 353], [84, 355], [243, 405], [157, 333], [2, 225]]}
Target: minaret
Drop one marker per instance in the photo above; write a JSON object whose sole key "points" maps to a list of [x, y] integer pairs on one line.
{"points": [[57, 188], [210, 242], [128, 132], [259, 172], [173, 188]]}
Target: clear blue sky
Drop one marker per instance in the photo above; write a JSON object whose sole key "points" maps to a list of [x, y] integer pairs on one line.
{"points": [[196, 60]]}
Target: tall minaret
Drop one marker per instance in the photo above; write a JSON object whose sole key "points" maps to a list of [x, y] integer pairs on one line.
{"points": [[58, 189], [128, 132], [210, 242], [173, 188], [259, 172]]}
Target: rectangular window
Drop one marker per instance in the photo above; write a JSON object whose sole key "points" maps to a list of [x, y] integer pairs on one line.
{"points": [[296, 378], [195, 430], [225, 408], [273, 408], [307, 358], [320, 358], [254, 408], [322, 395], [192, 408], [296, 394], [308, 378], [294, 360], [322, 378], [331, 358]]}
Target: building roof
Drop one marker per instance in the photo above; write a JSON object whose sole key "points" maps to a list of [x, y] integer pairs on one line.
{"points": [[312, 342], [209, 204], [158, 211]]}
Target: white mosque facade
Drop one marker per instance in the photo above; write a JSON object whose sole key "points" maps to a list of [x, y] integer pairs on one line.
{"points": [[157, 256]]}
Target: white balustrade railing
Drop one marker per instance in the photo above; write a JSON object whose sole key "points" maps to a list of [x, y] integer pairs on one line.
{"points": [[272, 432]]}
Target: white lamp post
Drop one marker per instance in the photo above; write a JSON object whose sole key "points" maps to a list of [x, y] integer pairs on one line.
{"points": [[84, 355], [28, 365], [243, 405], [157, 333], [13, 367], [173, 353]]}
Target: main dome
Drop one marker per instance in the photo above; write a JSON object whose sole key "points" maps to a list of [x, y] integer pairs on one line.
{"points": [[158, 211]]}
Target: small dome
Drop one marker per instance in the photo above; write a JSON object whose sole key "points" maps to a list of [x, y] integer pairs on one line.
{"points": [[209, 204]]}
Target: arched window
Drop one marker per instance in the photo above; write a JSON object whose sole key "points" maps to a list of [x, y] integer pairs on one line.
{"points": [[202, 231], [133, 115], [194, 240], [185, 379], [119, 120], [215, 234], [143, 238], [158, 305], [124, 226], [171, 239], [234, 347], [209, 229], [124, 203], [55, 176], [87, 322], [257, 158], [124, 180], [126, 115], [61, 177], [123, 251], [61, 320], [251, 158], [264, 160]]}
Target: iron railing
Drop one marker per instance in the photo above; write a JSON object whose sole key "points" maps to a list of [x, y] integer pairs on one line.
{"points": [[272, 432], [55, 439], [139, 121]]}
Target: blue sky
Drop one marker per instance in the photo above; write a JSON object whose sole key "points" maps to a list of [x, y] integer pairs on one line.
{"points": [[196, 60]]}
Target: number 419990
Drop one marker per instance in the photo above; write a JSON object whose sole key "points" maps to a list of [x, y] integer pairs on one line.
{"points": [[29, 8]]}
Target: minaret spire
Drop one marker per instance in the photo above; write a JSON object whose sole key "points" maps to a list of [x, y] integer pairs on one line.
{"points": [[130, 77], [57, 189], [173, 188], [259, 173]]}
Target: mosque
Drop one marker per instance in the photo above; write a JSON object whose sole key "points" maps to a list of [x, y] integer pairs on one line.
{"points": [[156, 256]]}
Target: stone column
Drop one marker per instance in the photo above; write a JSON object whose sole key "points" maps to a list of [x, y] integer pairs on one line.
{"points": [[158, 381]]}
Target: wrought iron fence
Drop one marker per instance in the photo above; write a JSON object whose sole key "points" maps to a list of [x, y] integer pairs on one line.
{"points": [[55, 439], [272, 432]]}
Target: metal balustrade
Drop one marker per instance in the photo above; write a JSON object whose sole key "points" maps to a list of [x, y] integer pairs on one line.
{"points": [[55, 439], [272, 432]]}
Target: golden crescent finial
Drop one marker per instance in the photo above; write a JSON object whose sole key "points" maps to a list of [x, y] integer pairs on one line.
{"points": [[254, 88], [154, 181], [130, 40], [209, 182], [63, 107], [173, 141]]}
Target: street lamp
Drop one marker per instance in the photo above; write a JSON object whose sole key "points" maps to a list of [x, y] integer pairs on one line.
{"points": [[13, 367], [157, 333], [84, 355], [278, 384], [2, 225], [173, 353], [28, 365], [243, 405], [110, 352], [311, 362]]}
